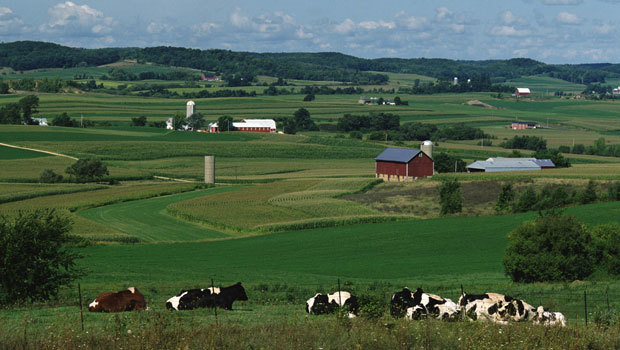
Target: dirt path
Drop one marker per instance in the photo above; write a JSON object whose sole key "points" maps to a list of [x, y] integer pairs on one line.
{"points": [[38, 150], [173, 179]]}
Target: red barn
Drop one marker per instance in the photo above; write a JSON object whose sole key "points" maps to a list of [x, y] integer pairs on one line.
{"points": [[401, 164], [522, 92]]}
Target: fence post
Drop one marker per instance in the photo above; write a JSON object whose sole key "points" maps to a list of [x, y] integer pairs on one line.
{"points": [[607, 298], [339, 296], [585, 305], [214, 301], [81, 312]]}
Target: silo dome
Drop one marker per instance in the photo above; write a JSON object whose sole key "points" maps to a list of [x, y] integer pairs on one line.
{"points": [[427, 147], [190, 103]]}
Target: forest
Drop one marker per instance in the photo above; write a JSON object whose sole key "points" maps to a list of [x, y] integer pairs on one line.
{"points": [[331, 66]]}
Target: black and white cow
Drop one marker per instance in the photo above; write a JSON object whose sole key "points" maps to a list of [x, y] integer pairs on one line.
{"points": [[496, 308], [209, 297], [328, 303], [419, 304], [549, 318]]}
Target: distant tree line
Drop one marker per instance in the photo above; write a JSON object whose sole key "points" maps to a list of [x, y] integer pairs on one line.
{"points": [[120, 74], [26, 55], [533, 143], [21, 112], [599, 148], [476, 84]]}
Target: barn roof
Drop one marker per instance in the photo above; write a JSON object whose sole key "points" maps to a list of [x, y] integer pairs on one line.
{"points": [[505, 164], [400, 155], [255, 123], [523, 90], [544, 163]]}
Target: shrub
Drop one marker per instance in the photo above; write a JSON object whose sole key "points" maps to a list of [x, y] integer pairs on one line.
{"points": [[589, 193], [356, 135], [445, 163], [36, 256], [614, 192], [48, 176], [138, 121], [505, 198], [450, 196], [607, 239], [527, 201], [87, 169], [309, 97], [554, 247]]}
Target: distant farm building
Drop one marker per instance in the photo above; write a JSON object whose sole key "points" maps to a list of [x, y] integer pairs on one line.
{"points": [[509, 164], [41, 121], [401, 164], [208, 77], [249, 125], [517, 125], [365, 101], [522, 92], [191, 109], [616, 91], [169, 124]]}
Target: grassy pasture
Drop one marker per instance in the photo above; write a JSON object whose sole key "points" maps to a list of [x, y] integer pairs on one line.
{"points": [[540, 84], [146, 219], [17, 153]]}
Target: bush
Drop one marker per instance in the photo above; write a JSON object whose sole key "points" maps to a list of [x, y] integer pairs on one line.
{"points": [[87, 169], [309, 97], [505, 198], [554, 247], [607, 239], [356, 135], [48, 176], [138, 121], [445, 163], [36, 256], [589, 193], [450, 196], [527, 201]]}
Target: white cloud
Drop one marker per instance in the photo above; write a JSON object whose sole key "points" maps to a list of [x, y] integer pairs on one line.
{"points": [[301, 34], [520, 52], [411, 22], [204, 28], [158, 28], [11, 24], [604, 29], [508, 18], [509, 31], [345, 27], [372, 25], [75, 20], [443, 13], [238, 19], [567, 18], [457, 28]]}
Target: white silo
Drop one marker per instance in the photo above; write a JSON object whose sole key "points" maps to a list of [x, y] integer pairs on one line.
{"points": [[191, 108], [455, 81], [427, 147]]}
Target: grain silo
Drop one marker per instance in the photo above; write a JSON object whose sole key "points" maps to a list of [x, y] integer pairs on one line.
{"points": [[427, 147], [191, 109], [210, 169]]}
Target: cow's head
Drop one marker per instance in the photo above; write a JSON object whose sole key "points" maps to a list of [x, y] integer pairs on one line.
{"points": [[240, 292]]}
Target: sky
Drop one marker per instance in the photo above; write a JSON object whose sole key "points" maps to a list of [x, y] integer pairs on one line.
{"points": [[551, 31]]}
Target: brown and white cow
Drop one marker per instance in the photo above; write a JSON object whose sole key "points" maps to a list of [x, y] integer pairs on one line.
{"points": [[126, 300], [549, 318]]}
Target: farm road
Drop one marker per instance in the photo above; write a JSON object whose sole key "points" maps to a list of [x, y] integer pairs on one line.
{"points": [[147, 219], [38, 150]]}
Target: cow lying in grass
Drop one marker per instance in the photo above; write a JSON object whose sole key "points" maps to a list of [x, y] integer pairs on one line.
{"points": [[210, 297], [126, 300], [419, 304], [502, 309], [328, 303]]}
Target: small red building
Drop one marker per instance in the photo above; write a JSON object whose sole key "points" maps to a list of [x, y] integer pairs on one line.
{"points": [[522, 92], [401, 164]]}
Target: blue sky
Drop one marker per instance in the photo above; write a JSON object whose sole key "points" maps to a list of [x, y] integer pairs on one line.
{"points": [[552, 31]]}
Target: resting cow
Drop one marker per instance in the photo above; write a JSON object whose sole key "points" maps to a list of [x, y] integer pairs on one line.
{"points": [[327, 303], [496, 307], [549, 318], [209, 297], [126, 300], [419, 304]]}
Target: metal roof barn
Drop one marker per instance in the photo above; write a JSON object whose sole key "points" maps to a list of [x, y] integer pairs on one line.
{"points": [[401, 164], [503, 164]]}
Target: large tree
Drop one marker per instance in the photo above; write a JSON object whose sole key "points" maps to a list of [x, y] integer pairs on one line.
{"points": [[225, 123], [29, 105], [36, 256], [87, 169], [450, 196], [554, 247]]}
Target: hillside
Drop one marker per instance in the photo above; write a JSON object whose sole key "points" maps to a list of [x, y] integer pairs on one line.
{"points": [[329, 66]]}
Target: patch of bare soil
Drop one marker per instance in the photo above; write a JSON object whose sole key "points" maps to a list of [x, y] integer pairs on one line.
{"points": [[477, 103]]}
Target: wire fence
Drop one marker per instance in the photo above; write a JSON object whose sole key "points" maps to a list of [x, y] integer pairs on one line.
{"points": [[578, 304]]}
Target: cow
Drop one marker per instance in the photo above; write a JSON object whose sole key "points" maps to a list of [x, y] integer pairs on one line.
{"points": [[549, 318], [496, 307], [126, 300], [424, 304], [328, 303], [210, 297], [403, 300]]}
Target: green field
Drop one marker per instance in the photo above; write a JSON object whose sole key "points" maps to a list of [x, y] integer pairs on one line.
{"points": [[542, 85], [291, 215]]}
